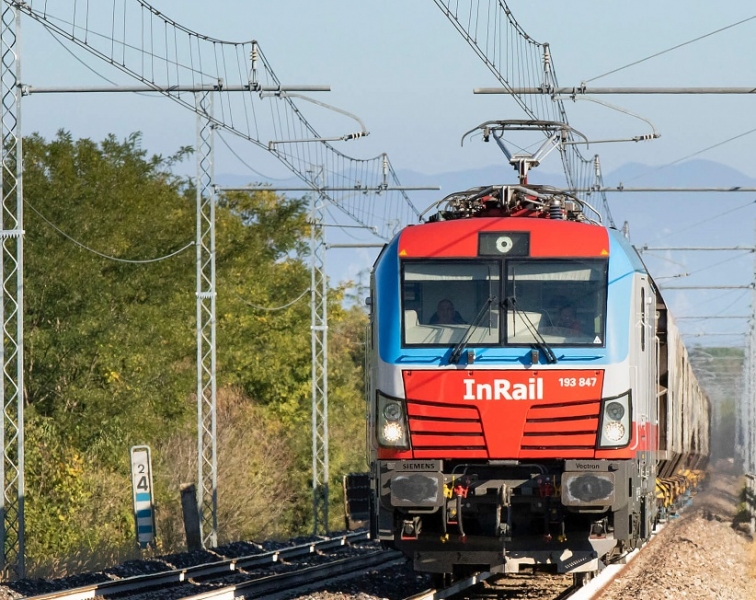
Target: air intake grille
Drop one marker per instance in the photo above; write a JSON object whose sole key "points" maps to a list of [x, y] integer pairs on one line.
{"points": [[562, 427], [438, 429]]}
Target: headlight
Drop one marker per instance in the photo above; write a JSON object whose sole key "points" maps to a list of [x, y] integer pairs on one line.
{"points": [[615, 423], [393, 411], [615, 411], [392, 432], [392, 423], [614, 431]]}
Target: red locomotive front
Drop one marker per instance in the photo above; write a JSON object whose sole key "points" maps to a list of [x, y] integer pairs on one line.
{"points": [[515, 389]]}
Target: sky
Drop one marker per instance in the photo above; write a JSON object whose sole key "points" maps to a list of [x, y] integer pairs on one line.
{"points": [[401, 67]]}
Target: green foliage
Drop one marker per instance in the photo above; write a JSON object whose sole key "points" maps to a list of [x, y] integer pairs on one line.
{"points": [[55, 472], [105, 337], [110, 347], [346, 403]]}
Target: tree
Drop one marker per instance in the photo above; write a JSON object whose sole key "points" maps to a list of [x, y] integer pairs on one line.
{"points": [[111, 349]]}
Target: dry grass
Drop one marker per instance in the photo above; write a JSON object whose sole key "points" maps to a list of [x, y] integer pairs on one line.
{"points": [[254, 494], [86, 560]]}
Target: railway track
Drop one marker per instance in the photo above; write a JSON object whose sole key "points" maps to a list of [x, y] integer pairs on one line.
{"points": [[486, 586], [294, 571], [542, 586], [278, 573]]}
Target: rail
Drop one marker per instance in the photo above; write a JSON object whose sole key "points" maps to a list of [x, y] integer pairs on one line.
{"points": [[140, 583], [457, 588], [301, 581]]}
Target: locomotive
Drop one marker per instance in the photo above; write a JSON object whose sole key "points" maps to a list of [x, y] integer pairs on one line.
{"points": [[550, 417]]}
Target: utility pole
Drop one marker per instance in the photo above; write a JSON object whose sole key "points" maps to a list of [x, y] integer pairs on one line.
{"points": [[12, 304], [745, 429], [207, 462], [319, 342]]}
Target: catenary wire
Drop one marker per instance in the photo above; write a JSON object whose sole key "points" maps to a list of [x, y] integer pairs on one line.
{"points": [[704, 221], [721, 262], [86, 66], [246, 164], [100, 254], [679, 160], [637, 62], [274, 308], [161, 48], [489, 27], [692, 273]]}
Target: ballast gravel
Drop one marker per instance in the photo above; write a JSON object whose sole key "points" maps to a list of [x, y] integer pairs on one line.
{"points": [[699, 555]]}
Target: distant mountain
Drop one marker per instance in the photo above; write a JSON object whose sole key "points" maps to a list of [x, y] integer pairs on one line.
{"points": [[693, 173], [650, 215]]}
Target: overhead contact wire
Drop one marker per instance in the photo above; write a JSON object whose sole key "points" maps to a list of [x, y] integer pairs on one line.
{"points": [[100, 254], [699, 38], [274, 308], [147, 53]]}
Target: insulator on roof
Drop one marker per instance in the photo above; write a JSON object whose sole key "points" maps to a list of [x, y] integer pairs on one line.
{"points": [[556, 209]]}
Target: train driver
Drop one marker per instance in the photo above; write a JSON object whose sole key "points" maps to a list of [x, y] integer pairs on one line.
{"points": [[445, 314], [567, 319]]}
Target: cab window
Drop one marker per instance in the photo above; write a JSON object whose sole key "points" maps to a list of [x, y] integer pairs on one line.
{"points": [[564, 301], [441, 300]]}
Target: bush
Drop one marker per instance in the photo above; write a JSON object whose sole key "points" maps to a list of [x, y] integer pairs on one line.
{"points": [[255, 495]]}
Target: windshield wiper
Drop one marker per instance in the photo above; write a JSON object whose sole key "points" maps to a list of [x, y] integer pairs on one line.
{"points": [[457, 352], [540, 342]]}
